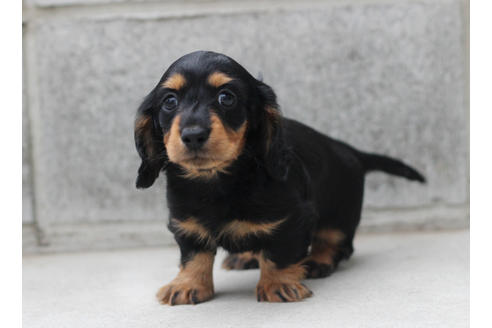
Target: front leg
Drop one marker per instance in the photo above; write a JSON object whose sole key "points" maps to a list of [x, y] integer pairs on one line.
{"points": [[281, 266], [281, 284], [194, 282]]}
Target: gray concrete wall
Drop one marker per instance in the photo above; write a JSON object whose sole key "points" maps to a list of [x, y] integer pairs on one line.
{"points": [[386, 76]]}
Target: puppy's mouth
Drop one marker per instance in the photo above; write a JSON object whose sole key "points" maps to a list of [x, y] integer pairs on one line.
{"points": [[202, 161]]}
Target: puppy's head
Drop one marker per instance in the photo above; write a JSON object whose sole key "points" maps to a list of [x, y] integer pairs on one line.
{"points": [[203, 114]]}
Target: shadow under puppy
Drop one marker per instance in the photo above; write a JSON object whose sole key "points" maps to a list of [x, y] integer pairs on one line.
{"points": [[271, 191]]}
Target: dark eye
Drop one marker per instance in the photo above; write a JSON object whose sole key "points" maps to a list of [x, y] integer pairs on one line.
{"points": [[226, 98], [170, 103]]}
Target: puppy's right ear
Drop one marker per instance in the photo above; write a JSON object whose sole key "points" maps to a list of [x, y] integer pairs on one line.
{"points": [[150, 144], [276, 154]]}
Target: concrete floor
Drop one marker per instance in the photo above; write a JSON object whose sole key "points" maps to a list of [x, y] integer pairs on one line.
{"points": [[393, 280]]}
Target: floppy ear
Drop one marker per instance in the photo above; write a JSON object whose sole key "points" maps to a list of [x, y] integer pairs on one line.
{"points": [[275, 152], [150, 144]]}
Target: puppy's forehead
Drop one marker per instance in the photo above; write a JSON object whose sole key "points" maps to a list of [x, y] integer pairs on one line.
{"points": [[203, 67]]}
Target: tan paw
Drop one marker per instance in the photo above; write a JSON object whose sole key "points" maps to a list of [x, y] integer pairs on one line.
{"points": [[178, 293], [282, 292], [240, 261]]}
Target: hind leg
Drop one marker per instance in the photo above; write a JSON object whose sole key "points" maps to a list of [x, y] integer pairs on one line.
{"points": [[333, 237], [241, 261], [328, 248]]}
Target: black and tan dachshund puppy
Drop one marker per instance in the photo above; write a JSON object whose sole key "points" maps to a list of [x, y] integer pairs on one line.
{"points": [[273, 192]]}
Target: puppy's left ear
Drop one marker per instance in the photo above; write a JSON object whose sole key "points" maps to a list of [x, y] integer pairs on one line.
{"points": [[277, 155], [149, 143]]}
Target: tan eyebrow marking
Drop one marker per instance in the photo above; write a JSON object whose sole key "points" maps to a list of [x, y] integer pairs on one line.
{"points": [[217, 79], [175, 81]]}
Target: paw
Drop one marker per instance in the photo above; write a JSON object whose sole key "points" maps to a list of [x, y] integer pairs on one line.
{"points": [[240, 261], [316, 269], [175, 294], [282, 292]]}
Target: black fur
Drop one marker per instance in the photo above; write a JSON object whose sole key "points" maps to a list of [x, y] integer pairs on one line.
{"points": [[286, 170], [151, 163]]}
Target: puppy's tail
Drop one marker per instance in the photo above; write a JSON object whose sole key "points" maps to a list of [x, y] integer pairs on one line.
{"points": [[375, 162]]}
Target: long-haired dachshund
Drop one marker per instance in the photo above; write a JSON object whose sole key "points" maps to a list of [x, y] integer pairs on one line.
{"points": [[273, 192]]}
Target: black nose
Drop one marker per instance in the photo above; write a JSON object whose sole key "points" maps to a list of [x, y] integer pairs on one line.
{"points": [[194, 137]]}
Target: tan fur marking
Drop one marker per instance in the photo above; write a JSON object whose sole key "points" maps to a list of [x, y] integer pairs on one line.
{"points": [[175, 81], [273, 113], [281, 285], [144, 130], [172, 141], [322, 255], [238, 261], [205, 174], [224, 141], [325, 245], [239, 229], [222, 148], [193, 284], [329, 236], [217, 79], [142, 122], [191, 227]]}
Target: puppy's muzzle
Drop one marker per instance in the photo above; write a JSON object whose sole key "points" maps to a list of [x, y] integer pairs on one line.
{"points": [[194, 137]]}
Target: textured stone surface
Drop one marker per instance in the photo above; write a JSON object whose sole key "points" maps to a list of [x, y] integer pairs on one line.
{"points": [[386, 77], [27, 210], [62, 3], [30, 242], [57, 3], [27, 193]]}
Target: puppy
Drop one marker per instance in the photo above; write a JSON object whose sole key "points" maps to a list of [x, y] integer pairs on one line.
{"points": [[273, 192]]}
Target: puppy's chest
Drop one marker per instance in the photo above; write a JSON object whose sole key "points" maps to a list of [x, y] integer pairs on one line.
{"points": [[233, 234], [235, 220]]}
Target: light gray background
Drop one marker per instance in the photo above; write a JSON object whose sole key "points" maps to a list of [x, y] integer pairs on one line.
{"points": [[385, 76]]}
